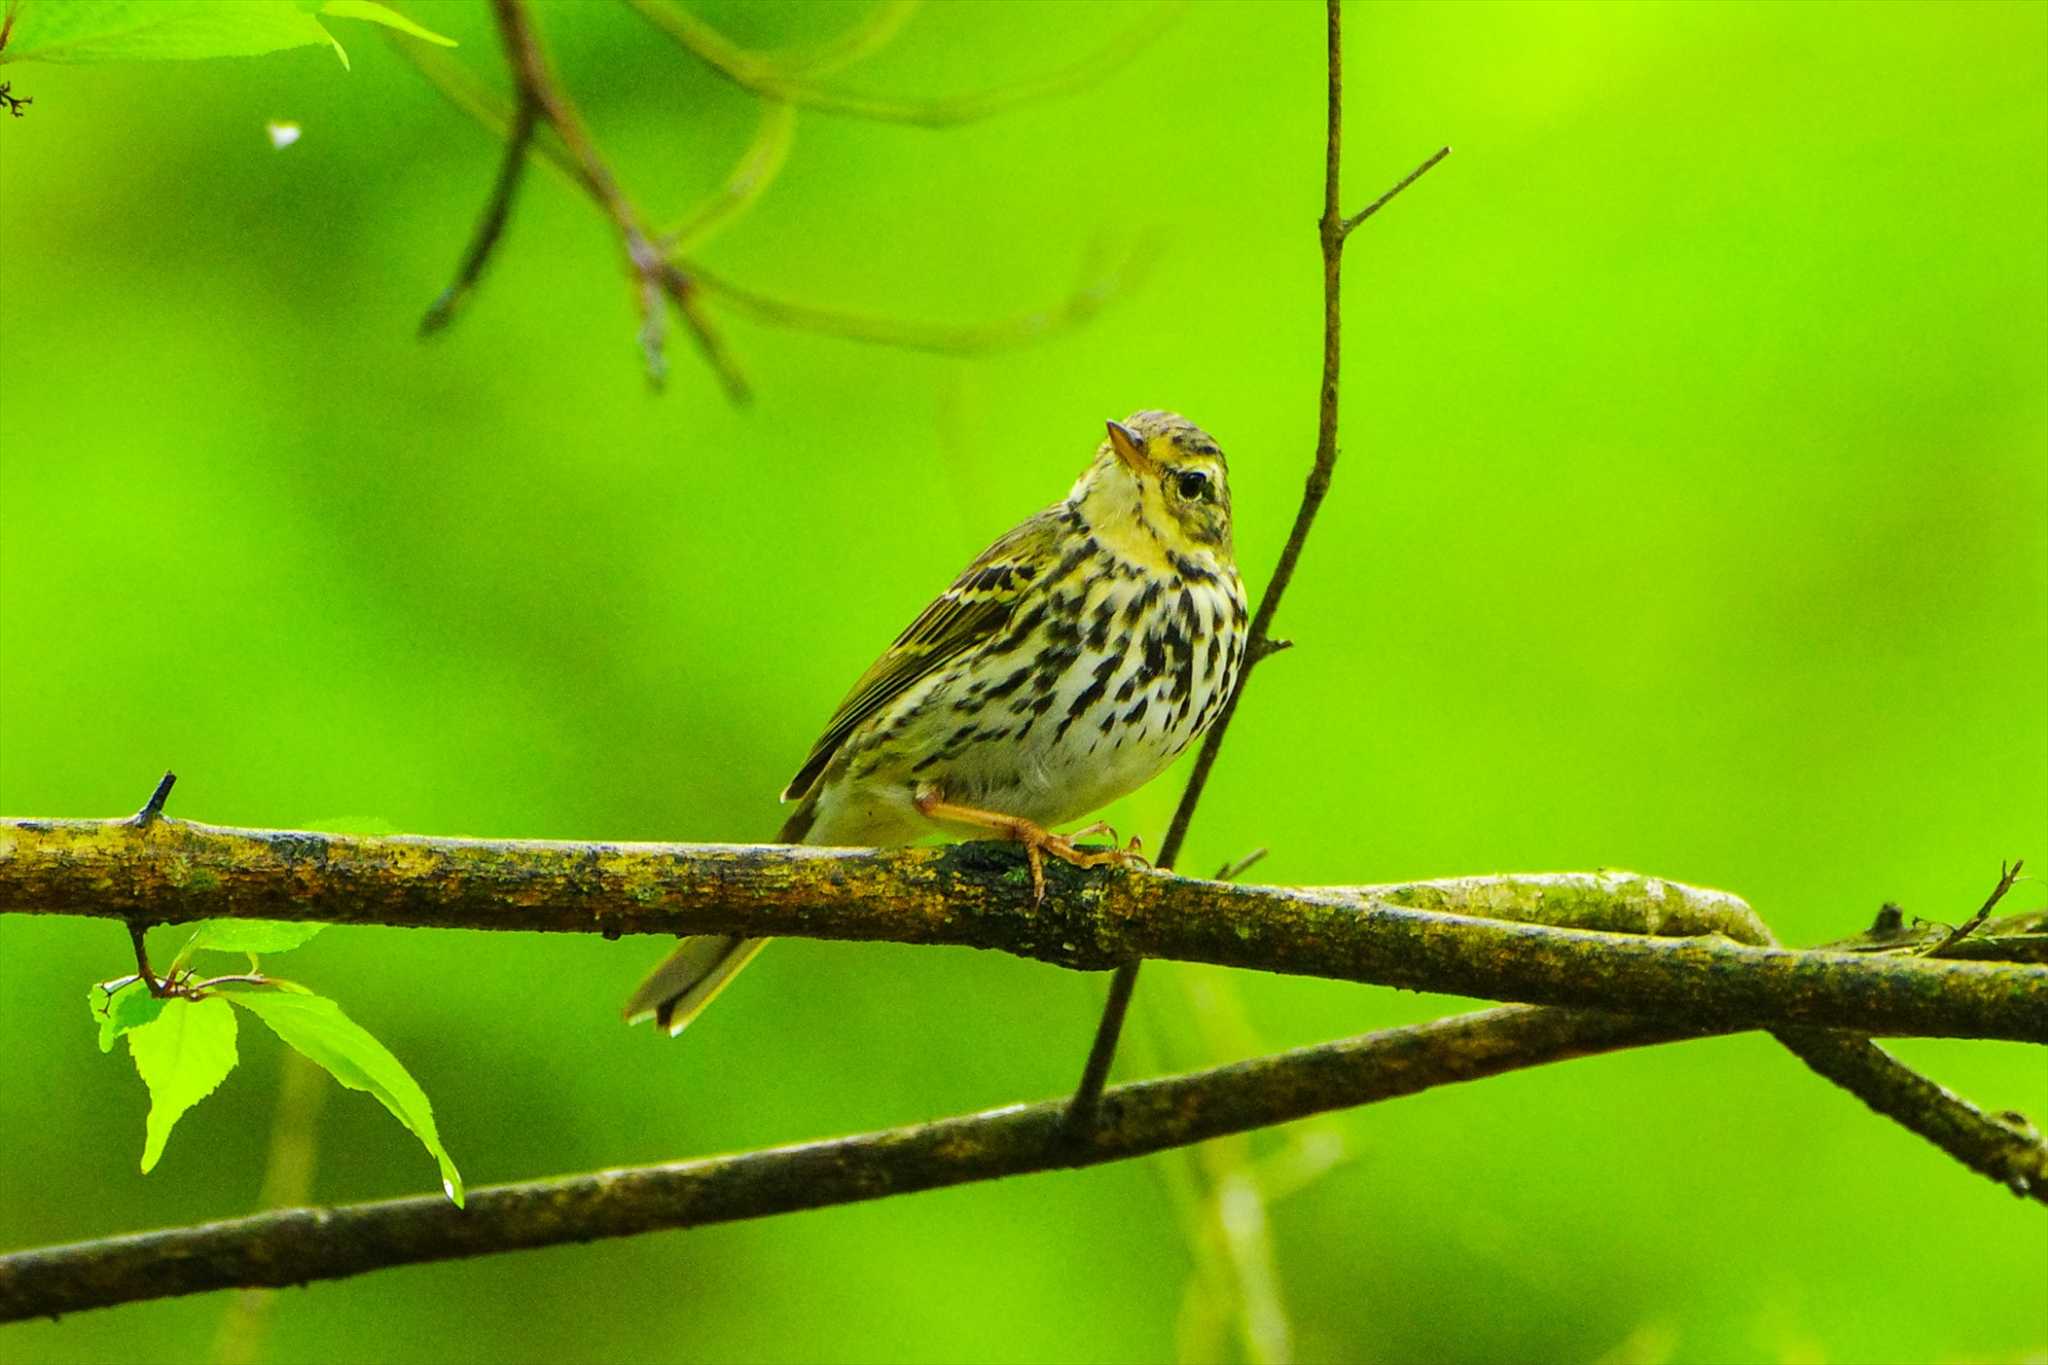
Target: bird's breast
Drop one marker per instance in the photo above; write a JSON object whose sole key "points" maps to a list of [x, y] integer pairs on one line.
{"points": [[1089, 693]]}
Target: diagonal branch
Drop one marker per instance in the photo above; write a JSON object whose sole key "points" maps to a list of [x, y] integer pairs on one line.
{"points": [[2004, 1147], [295, 1246]]}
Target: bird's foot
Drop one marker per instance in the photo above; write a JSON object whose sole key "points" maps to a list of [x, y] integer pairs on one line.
{"points": [[1039, 842], [1132, 852]]}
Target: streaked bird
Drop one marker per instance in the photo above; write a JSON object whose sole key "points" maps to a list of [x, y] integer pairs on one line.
{"points": [[1069, 665]]}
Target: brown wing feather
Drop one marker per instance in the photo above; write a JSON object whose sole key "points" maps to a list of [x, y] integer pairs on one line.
{"points": [[975, 607]]}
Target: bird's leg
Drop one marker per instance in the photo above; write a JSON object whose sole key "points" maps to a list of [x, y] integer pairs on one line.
{"points": [[1036, 838]]}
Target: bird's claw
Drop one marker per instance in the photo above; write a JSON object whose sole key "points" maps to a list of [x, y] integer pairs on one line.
{"points": [[1062, 846]]}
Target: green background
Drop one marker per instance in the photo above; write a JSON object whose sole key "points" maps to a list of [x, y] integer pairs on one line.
{"points": [[1693, 519]]}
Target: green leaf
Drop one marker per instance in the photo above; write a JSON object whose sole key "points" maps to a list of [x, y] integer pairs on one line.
{"points": [[248, 936], [316, 1026], [121, 1008], [182, 1054], [178, 30]]}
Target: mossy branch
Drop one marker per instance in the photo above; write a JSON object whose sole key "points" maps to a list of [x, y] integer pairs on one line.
{"points": [[976, 895], [150, 869]]}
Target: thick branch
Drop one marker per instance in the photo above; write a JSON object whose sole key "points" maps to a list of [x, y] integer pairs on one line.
{"points": [[294, 1246], [154, 868], [977, 895]]}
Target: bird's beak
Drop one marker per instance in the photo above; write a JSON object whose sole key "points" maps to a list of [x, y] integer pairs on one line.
{"points": [[1130, 449]]}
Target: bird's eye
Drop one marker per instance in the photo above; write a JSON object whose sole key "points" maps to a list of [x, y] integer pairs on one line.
{"points": [[1193, 484]]}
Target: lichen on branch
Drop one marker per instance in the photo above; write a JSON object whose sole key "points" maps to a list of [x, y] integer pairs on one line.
{"points": [[977, 895]]}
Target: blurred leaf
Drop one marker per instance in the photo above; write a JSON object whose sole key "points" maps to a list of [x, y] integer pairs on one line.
{"points": [[248, 936], [159, 30], [180, 30], [316, 1026], [122, 1008], [374, 13], [182, 1054]]}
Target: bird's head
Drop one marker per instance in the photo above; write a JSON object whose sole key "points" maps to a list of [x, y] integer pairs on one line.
{"points": [[1158, 491]]}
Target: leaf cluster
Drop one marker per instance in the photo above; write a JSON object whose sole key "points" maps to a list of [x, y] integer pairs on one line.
{"points": [[181, 1033]]}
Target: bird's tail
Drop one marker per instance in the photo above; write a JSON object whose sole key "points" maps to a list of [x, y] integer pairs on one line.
{"points": [[691, 977]]}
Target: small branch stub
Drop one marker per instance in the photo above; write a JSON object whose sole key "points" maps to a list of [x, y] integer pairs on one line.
{"points": [[153, 809]]}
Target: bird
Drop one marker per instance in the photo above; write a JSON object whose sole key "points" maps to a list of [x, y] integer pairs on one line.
{"points": [[1067, 666]]}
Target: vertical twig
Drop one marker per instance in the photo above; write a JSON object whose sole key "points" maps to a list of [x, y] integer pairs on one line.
{"points": [[152, 811], [1331, 228]]}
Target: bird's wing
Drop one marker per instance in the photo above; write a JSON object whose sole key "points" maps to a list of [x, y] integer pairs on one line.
{"points": [[974, 608]]}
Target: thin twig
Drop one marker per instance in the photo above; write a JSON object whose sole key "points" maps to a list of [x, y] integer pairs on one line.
{"points": [[758, 166], [491, 110], [873, 31], [2022, 937], [1236, 868], [297, 1246], [682, 290], [667, 275], [491, 226], [656, 280], [137, 932], [2006, 877], [1349, 224], [772, 79], [939, 338], [1332, 229]]}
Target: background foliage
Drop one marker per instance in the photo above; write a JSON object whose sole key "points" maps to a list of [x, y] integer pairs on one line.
{"points": [[1695, 520]]}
